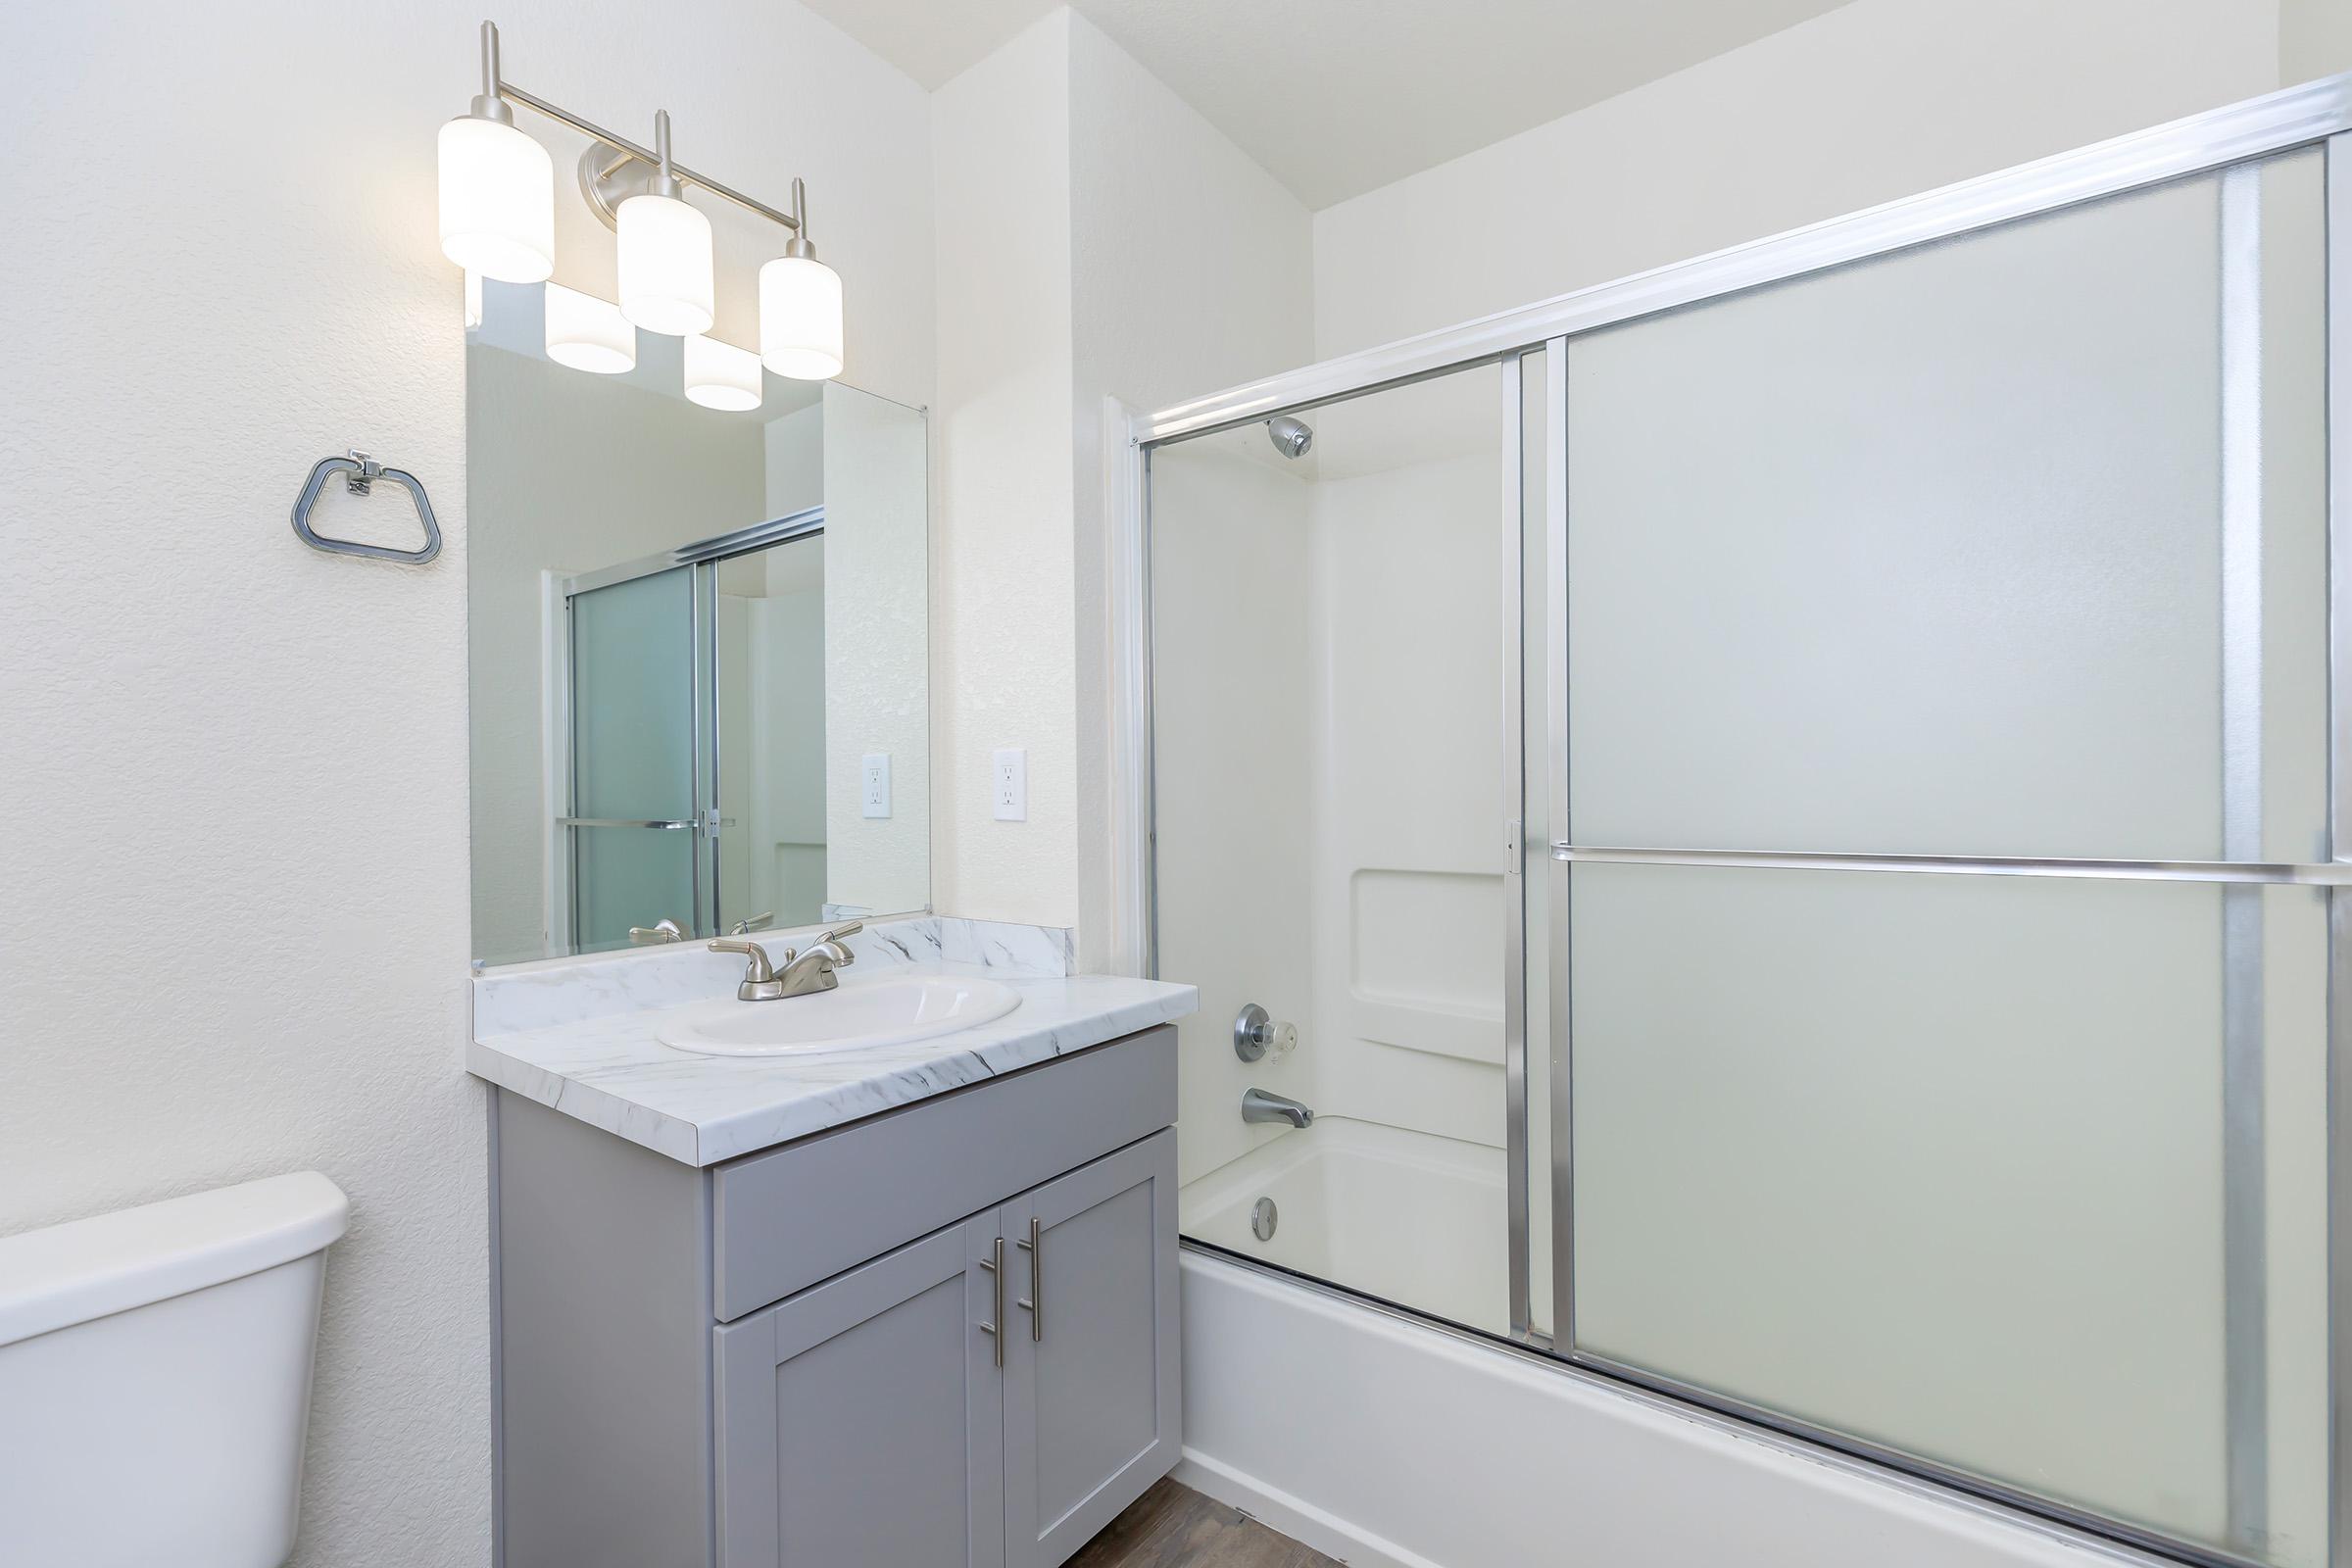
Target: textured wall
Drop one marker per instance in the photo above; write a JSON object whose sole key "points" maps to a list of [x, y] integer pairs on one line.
{"points": [[1000, 562], [225, 270]]}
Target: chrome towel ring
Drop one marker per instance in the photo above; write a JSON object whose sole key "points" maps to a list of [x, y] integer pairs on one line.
{"points": [[360, 473]]}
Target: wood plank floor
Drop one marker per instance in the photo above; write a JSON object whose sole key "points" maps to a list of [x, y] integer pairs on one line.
{"points": [[1175, 1527]]}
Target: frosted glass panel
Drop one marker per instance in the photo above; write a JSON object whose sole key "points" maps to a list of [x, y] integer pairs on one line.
{"points": [[1937, 1161], [629, 876], [632, 697], [1930, 554], [633, 704]]}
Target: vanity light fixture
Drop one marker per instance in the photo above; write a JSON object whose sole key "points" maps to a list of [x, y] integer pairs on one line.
{"points": [[498, 188], [474, 298], [800, 306], [588, 333], [720, 376], [497, 218], [665, 270]]}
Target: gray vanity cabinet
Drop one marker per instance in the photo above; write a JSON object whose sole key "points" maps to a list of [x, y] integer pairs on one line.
{"points": [[867, 1420], [859, 1422], [823, 1354], [1091, 1370]]}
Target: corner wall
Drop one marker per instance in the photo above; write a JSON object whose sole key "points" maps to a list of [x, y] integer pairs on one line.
{"points": [[1098, 238], [1004, 650], [1194, 269]]}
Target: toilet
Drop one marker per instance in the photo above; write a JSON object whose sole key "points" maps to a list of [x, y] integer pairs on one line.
{"points": [[154, 1378]]}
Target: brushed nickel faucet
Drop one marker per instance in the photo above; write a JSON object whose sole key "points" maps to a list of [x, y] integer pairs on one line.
{"points": [[805, 971]]}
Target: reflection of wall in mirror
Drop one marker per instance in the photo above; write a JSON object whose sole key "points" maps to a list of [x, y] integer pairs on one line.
{"points": [[772, 628], [877, 661]]}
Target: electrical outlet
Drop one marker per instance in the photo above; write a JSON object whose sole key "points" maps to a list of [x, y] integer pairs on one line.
{"points": [[875, 791], [1010, 784]]}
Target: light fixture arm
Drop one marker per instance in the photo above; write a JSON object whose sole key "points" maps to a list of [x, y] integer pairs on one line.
{"points": [[498, 92]]}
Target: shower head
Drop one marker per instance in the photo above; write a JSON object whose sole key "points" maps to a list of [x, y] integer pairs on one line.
{"points": [[1290, 437]]}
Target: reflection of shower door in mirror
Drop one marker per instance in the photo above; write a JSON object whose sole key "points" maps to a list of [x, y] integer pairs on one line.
{"points": [[692, 777], [639, 830]]}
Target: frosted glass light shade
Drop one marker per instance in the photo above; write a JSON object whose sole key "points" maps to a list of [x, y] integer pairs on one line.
{"points": [[665, 274], [800, 319], [498, 201], [720, 376], [588, 333]]}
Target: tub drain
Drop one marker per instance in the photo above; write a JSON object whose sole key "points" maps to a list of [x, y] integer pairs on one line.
{"points": [[1263, 1217]]}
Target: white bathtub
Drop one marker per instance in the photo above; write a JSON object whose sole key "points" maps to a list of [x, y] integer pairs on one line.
{"points": [[1408, 1217], [1387, 1442]]}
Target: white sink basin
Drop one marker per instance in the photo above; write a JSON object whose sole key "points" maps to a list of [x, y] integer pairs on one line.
{"points": [[850, 1017]]}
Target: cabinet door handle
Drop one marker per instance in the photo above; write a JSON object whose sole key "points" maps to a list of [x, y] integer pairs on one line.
{"points": [[995, 1264], [1034, 1302]]}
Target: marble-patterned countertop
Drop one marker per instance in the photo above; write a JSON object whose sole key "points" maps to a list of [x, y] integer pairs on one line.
{"points": [[578, 1035]]}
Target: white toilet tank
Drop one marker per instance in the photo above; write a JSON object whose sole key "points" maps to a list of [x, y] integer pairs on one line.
{"points": [[154, 1378]]}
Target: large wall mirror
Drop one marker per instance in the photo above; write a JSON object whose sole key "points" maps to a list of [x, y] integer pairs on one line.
{"points": [[698, 649]]}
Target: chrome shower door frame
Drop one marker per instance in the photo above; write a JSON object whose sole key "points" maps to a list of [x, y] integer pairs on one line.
{"points": [[2318, 114]]}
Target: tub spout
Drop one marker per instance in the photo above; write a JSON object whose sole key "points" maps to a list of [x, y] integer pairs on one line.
{"points": [[1259, 1105]]}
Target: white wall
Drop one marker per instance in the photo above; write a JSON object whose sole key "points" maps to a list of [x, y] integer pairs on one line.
{"points": [[2315, 39], [794, 451], [1865, 104], [1097, 237], [1003, 665], [232, 273]]}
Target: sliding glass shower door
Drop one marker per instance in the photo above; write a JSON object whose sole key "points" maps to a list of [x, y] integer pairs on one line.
{"points": [[1944, 637], [1849, 936]]}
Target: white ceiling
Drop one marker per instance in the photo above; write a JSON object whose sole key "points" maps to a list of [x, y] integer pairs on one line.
{"points": [[1336, 97]]}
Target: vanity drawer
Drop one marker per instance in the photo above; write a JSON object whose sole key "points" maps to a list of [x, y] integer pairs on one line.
{"points": [[785, 1219]]}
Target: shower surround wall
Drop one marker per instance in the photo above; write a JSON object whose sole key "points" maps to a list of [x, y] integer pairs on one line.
{"points": [[1329, 695], [1407, 604]]}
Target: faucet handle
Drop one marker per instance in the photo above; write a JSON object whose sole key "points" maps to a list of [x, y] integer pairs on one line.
{"points": [[664, 930], [761, 968], [750, 923], [831, 940]]}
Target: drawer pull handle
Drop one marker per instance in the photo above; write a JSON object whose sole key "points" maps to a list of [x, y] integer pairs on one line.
{"points": [[1034, 1301], [995, 1264]]}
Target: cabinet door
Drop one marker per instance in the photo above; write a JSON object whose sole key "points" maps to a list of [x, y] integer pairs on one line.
{"points": [[1091, 1364], [861, 1421]]}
